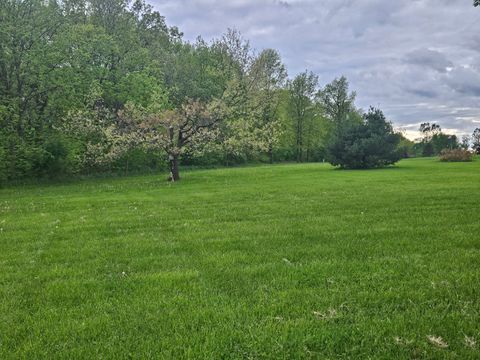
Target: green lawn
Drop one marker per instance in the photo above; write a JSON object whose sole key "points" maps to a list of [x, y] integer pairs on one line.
{"points": [[277, 262]]}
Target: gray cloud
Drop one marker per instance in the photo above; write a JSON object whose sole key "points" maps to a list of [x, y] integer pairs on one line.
{"points": [[419, 60], [465, 80], [429, 58]]}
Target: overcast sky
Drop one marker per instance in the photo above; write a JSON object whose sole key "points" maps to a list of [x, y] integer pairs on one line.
{"points": [[418, 60]]}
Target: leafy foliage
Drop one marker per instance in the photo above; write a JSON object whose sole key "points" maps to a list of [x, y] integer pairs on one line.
{"points": [[79, 79], [369, 144], [476, 141], [336, 101], [435, 141], [302, 110]]}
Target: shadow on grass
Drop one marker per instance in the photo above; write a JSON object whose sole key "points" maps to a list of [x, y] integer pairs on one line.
{"points": [[391, 167]]}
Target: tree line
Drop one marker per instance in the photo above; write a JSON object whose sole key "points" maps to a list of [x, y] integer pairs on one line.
{"points": [[106, 86], [434, 141]]}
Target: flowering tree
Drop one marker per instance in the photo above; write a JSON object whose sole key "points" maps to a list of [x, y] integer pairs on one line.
{"points": [[191, 126]]}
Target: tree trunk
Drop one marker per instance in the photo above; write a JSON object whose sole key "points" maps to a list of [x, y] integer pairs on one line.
{"points": [[299, 148], [300, 153], [174, 170], [270, 154], [226, 159]]}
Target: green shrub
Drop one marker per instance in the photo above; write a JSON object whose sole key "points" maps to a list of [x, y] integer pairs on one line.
{"points": [[456, 155]]}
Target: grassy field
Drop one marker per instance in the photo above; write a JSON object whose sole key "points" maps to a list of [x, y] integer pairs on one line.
{"points": [[275, 262]]}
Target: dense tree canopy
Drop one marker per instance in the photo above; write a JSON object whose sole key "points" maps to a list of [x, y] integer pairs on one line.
{"points": [[106, 86], [476, 140], [434, 140], [369, 144], [302, 110]]}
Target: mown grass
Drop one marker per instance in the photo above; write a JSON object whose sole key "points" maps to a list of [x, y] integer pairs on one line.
{"points": [[277, 262]]}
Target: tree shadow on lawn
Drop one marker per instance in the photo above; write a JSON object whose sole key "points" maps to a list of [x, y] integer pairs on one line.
{"points": [[391, 167]]}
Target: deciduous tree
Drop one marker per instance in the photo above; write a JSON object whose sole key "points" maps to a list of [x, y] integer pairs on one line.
{"points": [[336, 101], [269, 76], [175, 130], [302, 90], [476, 141]]}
